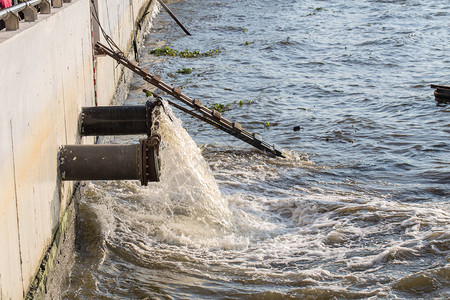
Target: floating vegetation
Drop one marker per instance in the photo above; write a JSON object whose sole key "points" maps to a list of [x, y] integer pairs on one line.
{"points": [[246, 43], [267, 125], [303, 108], [147, 93], [211, 52], [241, 103], [167, 51], [189, 54], [221, 107], [226, 107], [316, 10], [184, 71], [286, 42]]}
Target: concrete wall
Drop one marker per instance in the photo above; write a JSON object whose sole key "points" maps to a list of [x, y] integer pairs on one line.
{"points": [[118, 20], [46, 76]]}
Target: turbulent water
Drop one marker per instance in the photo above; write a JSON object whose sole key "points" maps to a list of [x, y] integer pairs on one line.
{"points": [[359, 208]]}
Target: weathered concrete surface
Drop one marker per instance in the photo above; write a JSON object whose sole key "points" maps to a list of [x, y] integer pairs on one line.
{"points": [[47, 76], [118, 19], [53, 274]]}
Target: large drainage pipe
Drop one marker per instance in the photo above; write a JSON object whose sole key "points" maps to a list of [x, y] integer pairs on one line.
{"points": [[116, 120], [112, 162]]}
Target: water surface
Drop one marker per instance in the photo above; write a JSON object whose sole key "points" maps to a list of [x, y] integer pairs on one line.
{"points": [[359, 208]]}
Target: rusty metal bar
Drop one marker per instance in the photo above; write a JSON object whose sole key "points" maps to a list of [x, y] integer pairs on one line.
{"points": [[253, 139], [167, 9], [207, 113]]}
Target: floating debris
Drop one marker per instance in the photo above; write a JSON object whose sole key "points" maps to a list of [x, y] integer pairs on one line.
{"points": [[167, 51], [441, 93], [184, 71]]}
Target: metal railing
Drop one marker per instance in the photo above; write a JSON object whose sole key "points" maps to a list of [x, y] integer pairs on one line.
{"points": [[29, 11]]}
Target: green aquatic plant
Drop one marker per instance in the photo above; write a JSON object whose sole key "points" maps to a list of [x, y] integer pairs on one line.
{"points": [[220, 107], [211, 52], [267, 125], [226, 107], [184, 71], [316, 10], [167, 51], [246, 43], [189, 54], [241, 103]]}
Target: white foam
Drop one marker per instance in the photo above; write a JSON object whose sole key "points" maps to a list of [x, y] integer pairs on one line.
{"points": [[254, 230]]}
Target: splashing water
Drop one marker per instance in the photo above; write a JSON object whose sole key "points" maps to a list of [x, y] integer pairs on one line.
{"points": [[182, 236], [186, 206], [188, 190]]}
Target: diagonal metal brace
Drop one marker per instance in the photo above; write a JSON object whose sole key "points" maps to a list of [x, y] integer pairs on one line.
{"points": [[205, 114]]}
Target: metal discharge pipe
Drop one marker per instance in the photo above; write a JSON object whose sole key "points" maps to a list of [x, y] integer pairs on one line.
{"points": [[116, 120], [111, 162], [113, 120], [100, 162]]}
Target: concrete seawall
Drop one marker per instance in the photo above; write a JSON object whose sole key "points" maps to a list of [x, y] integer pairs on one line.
{"points": [[47, 75]]}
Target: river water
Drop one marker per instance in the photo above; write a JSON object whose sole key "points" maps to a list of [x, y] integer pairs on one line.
{"points": [[359, 208]]}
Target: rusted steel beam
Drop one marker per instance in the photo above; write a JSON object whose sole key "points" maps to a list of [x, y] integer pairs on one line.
{"points": [[167, 9], [206, 113]]}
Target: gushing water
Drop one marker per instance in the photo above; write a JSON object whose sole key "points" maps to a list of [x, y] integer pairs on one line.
{"points": [[182, 235]]}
